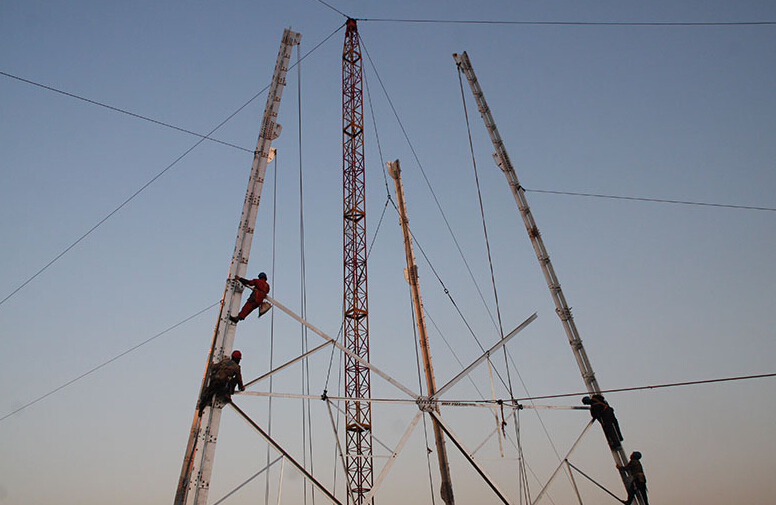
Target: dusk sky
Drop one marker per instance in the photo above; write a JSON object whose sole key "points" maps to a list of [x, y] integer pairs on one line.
{"points": [[114, 230]]}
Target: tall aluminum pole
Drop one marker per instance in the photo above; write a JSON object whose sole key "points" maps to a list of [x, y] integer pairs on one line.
{"points": [[561, 307], [412, 278], [194, 481]]}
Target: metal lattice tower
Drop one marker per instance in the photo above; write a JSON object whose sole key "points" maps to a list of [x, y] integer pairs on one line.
{"points": [[358, 415]]}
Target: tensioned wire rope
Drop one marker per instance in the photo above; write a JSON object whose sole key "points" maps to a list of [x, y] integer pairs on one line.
{"points": [[568, 23], [554, 23], [111, 360], [245, 149], [157, 176]]}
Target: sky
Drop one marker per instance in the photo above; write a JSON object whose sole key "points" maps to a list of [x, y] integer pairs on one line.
{"points": [[661, 292]]}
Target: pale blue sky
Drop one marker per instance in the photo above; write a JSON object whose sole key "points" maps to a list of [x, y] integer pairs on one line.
{"points": [[660, 292]]}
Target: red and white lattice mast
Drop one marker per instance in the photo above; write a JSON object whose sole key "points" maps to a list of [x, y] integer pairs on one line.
{"points": [[358, 415]]}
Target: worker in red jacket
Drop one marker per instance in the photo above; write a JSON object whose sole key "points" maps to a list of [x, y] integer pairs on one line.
{"points": [[260, 288]]}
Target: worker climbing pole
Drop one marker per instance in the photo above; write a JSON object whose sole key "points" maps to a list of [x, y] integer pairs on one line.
{"points": [[358, 415], [561, 307], [194, 482]]}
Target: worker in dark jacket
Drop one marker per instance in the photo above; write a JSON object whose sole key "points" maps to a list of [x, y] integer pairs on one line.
{"points": [[604, 414], [638, 479], [260, 288], [225, 377]]}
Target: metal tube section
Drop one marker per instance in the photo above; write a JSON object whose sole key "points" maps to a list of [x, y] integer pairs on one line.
{"points": [[320, 487], [287, 364], [561, 306], [197, 461], [486, 404], [411, 271]]}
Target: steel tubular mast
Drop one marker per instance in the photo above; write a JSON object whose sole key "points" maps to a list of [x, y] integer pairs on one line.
{"points": [[358, 415], [503, 161], [411, 271], [194, 481]]}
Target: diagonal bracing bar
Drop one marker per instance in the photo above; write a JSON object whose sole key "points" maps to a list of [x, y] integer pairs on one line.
{"points": [[320, 487], [287, 364], [392, 458], [484, 356], [344, 349], [466, 454]]}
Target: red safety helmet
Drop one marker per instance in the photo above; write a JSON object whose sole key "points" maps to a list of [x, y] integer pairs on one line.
{"points": [[236, 355]]}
